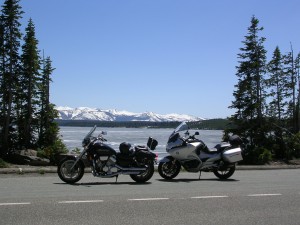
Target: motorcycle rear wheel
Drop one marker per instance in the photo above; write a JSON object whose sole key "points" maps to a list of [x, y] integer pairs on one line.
{"points": [[66, 174], [145, 176], [224, 174], [169, 170]]}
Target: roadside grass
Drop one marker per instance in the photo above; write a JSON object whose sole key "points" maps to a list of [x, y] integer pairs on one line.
{"points": [[3, 164]]}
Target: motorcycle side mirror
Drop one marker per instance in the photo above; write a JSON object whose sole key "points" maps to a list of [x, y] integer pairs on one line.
{"points": [[196, 133], [103, 132]]}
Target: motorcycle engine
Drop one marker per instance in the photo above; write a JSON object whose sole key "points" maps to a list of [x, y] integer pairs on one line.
{"points": [[107, 164], [192, 164]]}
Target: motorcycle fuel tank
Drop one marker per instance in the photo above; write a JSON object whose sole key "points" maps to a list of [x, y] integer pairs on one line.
{"points": [[102, 149]]}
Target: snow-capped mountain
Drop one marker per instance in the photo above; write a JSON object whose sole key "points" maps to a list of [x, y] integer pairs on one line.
{"points": [[85, 113]]}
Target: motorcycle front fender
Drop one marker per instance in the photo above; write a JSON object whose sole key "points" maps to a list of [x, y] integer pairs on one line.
{"points": [[166, 159], [83, 161]]}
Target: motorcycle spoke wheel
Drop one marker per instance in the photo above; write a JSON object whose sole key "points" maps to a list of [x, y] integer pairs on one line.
{"points": [[169, 170], [67, 174], [225, 174]]}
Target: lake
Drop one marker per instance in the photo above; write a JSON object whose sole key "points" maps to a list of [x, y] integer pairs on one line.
{"points": [[72, 136]]}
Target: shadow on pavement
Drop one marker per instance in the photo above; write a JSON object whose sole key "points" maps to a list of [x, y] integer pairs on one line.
{"points": [[88, 184], [183, 180]]}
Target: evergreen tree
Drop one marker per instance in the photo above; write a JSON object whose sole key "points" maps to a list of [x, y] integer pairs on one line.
{"points": [[278, 104], [277, 85], [10, 69], [29, 89], [250, 94], [26, 113], [297, 114], [49, 139], [2, 58], [47, 113], [291, 85]]}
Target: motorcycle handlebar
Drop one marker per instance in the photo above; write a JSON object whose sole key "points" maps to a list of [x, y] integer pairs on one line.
{"points": [[101, 138]]}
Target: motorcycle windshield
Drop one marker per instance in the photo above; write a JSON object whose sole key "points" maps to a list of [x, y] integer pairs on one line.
{"points": [[175, 134], [183, 126], [89, 134], [175, 138]]}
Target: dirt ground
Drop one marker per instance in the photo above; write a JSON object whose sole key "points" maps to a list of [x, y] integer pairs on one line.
{"points": [[284, 162]]}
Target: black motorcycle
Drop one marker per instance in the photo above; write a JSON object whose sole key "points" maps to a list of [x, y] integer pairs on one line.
{"points": [[105, 162]]}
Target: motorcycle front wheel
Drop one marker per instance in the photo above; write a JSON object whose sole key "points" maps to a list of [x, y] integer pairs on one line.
{"points": [[145, 176], [225, 173], [67, 174], [169, 170]]}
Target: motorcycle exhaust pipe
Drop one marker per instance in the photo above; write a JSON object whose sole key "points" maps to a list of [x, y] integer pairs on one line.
{"points": [[118, 173], [131, 169]]}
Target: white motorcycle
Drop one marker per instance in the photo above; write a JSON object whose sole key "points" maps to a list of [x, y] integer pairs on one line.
{"points": [[191, 153]]}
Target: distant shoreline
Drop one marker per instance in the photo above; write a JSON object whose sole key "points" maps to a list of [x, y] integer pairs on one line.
{"points": [[211, 124]]}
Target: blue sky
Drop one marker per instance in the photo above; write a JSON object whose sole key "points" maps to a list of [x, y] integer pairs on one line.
{"points": [[163, 56]]}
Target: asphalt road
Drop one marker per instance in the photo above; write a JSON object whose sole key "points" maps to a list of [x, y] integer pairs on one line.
{"points": [[250, 197]]}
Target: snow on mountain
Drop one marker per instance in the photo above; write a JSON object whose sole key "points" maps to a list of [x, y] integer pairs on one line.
{"points": [[85, 113]]}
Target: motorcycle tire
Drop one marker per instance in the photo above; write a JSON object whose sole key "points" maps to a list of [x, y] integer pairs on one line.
{"points": [[224, 174], [64, 171], [145, 176], [169, 170]]}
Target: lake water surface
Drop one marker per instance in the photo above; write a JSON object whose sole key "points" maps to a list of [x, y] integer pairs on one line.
{"points": [[72, 136]]}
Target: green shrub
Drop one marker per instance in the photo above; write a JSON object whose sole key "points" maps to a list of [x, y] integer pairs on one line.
{"points": [[51, 151], [265, 156], [257, 155], [42, 171], [76, 151], [294, 146]]}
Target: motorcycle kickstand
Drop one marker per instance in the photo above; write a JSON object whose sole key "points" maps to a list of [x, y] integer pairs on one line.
{"points": [[117, 178], [200, 175]]}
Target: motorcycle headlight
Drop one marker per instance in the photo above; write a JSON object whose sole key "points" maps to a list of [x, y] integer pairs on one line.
{"points": [[85, 142]]}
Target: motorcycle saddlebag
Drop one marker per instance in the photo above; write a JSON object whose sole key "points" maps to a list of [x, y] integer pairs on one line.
{"points": [[152, 143], [233, 155], [142, 154], [125, 148]]}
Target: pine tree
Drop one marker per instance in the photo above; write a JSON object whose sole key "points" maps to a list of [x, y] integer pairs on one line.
{"points": [[277, 85], [46, 108], [297, 114], [29, 98], [49, 139], [250, 94], [278, 104], [11, 14], [2, 63], [291, 85]]}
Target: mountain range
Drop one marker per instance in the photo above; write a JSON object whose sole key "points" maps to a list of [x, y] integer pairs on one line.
{"points": [[85, 113]]}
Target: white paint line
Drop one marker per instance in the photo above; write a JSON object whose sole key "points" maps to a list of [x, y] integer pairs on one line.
{"points": [[205, 197], [147, 199], [85, 201], [261, 195], [16, 203]]}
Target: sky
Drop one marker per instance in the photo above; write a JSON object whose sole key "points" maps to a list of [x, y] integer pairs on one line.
{"points": [[162, 56]]}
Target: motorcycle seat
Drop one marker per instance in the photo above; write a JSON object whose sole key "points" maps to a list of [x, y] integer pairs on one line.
{"points": [[211, 151], [217, 149], [140, 147]]}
